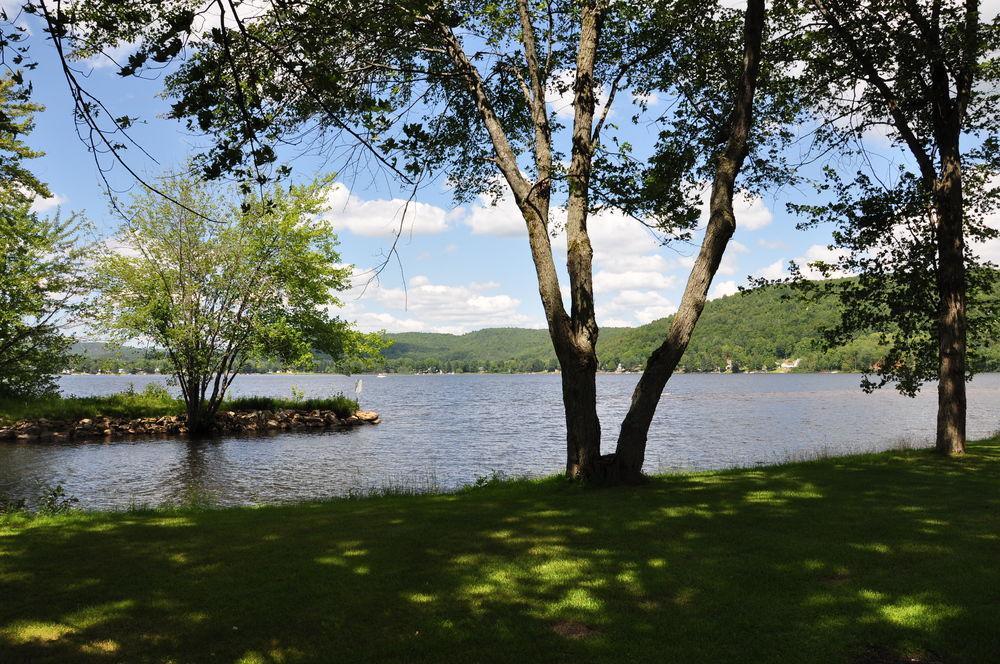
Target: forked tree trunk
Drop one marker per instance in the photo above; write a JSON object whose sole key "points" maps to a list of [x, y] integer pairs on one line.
{"points": [[951, 286], [574, 334]]}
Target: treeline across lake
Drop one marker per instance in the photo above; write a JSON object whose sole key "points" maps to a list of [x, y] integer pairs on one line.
{"points": [[752, 331]]}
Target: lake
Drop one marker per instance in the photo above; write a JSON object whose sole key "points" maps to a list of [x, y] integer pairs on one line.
{"points": [[447, 430]]}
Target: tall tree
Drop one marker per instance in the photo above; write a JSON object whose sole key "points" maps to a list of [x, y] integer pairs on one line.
{"points": [[41, 262], [463, 88], [926, 73], [216, 283]]}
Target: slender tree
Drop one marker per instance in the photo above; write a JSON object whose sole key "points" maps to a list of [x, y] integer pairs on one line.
{"points": [[925, 72], [217, 283]]}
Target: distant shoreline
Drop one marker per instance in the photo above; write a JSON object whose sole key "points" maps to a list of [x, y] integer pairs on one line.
{"points": [[484, 373]]}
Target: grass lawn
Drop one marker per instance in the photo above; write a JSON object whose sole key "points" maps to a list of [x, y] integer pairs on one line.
{"points": [[871, 559], [151, 402]]}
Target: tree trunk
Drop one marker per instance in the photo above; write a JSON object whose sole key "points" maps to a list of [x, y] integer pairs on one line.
{"points": [[951, 286], [583, 428], [200, 416], [626, 463]]}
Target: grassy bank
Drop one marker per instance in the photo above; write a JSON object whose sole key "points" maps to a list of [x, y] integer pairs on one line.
{"points": [[868, 559], [151, 403]]}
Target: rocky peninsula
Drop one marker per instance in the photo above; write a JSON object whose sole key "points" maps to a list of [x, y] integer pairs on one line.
{"points": [[227, 423]]}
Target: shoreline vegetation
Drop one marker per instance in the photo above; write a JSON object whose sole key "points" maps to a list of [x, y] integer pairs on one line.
{"points": [[154, 412], [861, 558]]}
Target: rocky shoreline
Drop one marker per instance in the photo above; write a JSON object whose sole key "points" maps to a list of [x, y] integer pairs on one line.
{"points": [[227, 423]]}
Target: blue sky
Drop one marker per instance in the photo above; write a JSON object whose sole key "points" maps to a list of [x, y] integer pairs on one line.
{"points": [[463, 268]]}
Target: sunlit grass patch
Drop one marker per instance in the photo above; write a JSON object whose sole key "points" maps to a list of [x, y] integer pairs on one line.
{"points": [[880, 555]]}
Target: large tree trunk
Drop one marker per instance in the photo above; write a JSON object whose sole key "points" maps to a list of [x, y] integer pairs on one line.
{"points": [[951, 286], [626, 464], [583, 428]]}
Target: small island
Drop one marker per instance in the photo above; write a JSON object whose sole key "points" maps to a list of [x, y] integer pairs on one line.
{"points": [[154, 412]]}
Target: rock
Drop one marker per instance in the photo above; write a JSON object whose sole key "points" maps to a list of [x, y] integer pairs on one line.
{"points": [[227, 422]]}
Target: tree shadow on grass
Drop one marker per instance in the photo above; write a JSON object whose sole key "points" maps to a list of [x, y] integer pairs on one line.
{"points": [[881, 558]]}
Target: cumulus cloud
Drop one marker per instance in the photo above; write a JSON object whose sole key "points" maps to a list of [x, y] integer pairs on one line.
{"points": [[775, 270], [426, 306], [772, 244], [606, 281], [503, 219], [824, 254], [722, 289], [382, 217], [643, 305], [41, 205]]}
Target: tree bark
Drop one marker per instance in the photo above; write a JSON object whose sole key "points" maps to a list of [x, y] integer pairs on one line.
{"points": [[952, 324], [626, 463], [583, 427]]}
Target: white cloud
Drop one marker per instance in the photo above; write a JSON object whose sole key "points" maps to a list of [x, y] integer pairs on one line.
{"points": [[775, 270], [607, 281], [502, 219], [772, 244], [989, 9], [650, 99], [722, 289], [820, 253], [381, 217], [426, 306], [751, 212], [41, 205], [644, 306]]}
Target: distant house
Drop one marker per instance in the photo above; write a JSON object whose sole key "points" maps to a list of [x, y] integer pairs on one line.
{"points": [[790, 364]]}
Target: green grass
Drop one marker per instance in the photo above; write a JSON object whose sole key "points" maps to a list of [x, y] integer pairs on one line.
{"points": [[148, 403], [151, 403], [871, 558], [339, 404]]}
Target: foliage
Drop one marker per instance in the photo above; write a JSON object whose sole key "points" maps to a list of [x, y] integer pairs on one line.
{"points": [[50, 501], [42, 263], [218, 283], [339, 404], [17, 112], [853, 559], [902, 83], [54, 500]]}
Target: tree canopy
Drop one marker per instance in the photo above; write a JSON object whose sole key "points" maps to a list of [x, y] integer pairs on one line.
{"points": [[217, 282]]}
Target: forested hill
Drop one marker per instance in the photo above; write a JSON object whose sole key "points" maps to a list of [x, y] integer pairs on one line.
{"points": [[754, 330]]}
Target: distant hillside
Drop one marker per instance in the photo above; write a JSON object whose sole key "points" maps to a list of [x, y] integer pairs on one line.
{"points": [[753, 330]]}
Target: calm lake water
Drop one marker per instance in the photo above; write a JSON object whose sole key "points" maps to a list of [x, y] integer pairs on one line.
{"points": [[448, 429]]}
